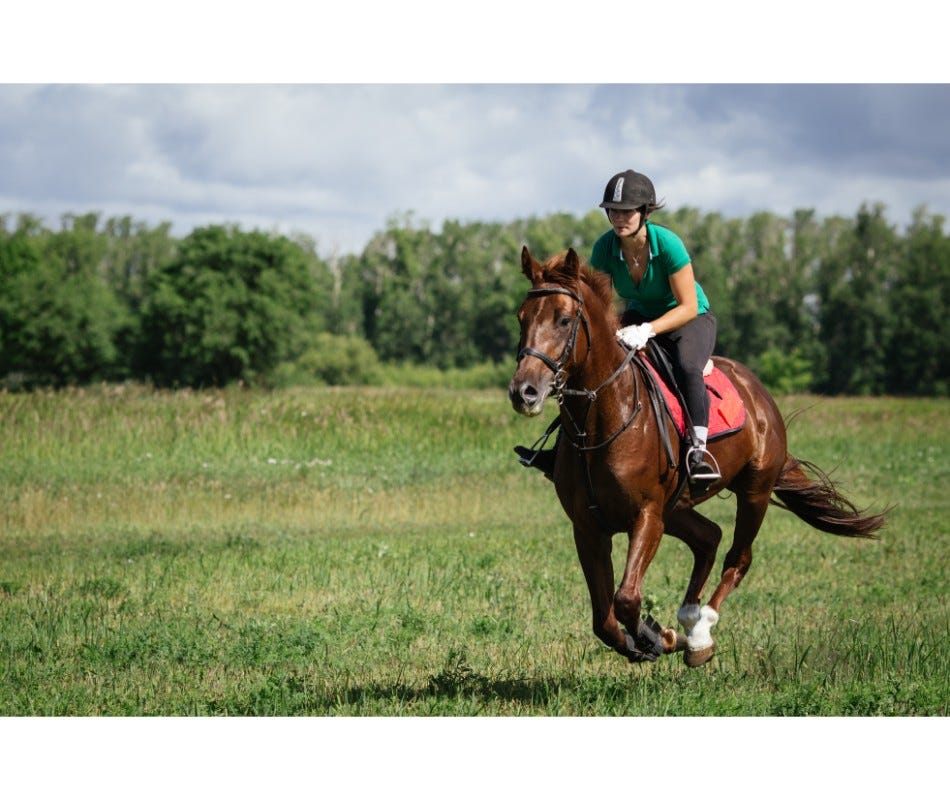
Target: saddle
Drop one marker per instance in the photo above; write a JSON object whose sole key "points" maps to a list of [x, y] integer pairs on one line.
{"points": [[726, 409]]}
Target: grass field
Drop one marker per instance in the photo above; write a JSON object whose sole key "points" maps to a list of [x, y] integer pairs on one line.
{"points": [[379, 552]]}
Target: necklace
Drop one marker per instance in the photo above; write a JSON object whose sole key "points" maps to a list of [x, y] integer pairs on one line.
{"points": [[636, 269]]}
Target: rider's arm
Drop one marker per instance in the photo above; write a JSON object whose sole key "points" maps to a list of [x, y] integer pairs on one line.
{"points": [[683, 285]]}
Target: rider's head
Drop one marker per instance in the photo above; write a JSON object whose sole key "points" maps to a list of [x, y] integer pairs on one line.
{"points": [[629, 191]]}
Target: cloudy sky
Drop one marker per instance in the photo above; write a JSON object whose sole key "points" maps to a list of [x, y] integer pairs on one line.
{"points": [[336, 158]]}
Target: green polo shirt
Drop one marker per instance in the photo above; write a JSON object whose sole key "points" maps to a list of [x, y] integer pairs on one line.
{"points": [[653, 297]]}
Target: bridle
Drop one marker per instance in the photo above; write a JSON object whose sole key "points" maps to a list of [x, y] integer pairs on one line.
{"points": [[560, 377], [557, 367]]}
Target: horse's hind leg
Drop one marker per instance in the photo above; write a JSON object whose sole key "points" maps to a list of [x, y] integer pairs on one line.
{"points": [[750, 511], [702, 536], [698, 621]]}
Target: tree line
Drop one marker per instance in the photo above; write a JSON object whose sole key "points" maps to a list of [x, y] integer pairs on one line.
{"points": [[835, 305]]}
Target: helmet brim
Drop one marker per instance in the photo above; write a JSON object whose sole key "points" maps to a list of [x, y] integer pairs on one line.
{"points": [[621, 206]]}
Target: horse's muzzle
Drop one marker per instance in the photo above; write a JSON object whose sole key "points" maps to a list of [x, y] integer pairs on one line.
{"points": [[526, 397]]}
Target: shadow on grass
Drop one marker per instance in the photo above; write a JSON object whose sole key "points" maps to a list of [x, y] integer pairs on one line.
{"points": [[293, 696], [455, 690]]}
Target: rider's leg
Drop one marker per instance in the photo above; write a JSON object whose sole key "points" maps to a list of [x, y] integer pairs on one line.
{"points": [[690, 348]]}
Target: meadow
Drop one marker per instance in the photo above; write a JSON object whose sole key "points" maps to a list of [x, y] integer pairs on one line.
{"points": [[380, 552]]}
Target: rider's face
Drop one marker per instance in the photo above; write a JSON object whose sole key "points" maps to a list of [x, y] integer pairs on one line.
{"points": [[625, 222]]}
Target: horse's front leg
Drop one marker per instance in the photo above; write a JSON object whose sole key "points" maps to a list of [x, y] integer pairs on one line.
{"points": [[593, 551], [644, 542]]}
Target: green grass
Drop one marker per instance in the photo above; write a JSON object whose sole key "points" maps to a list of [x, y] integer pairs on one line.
{"points": [[380, 552]]}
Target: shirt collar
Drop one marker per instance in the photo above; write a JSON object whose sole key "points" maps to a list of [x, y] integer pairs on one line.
{"points": [[651, 238]]}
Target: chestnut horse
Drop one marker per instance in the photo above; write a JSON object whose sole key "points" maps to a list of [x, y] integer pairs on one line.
{"points": [[613, 474]]}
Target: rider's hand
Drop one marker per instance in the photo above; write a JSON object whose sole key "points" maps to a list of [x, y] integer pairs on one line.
{"points": [[636, 336]]}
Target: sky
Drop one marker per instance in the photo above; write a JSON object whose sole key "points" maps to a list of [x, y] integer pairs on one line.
{"points": [[335, 153]]}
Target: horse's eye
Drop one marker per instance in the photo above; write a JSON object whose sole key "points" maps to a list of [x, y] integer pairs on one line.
{"points": [[564, 321]]}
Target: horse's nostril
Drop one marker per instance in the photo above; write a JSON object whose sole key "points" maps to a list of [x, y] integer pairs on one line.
{"points": [[529, 393]]}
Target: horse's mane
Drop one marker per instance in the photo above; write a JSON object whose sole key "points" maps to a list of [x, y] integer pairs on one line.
{"points": [[554, 270]]}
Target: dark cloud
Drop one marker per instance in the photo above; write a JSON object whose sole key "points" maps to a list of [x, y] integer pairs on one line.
{"points": [[890, 130], [885, 130]]}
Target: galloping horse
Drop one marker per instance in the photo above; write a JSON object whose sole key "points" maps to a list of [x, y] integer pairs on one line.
{"points": [[613, 474]]}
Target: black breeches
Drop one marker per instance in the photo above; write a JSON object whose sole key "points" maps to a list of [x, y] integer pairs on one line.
{"points": [[688, 349]]}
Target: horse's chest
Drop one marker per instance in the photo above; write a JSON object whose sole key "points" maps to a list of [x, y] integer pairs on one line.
{"points": [[608, 500]]}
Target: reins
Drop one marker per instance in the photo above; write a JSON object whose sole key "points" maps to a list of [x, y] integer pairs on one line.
{"points": [[591, 394]]}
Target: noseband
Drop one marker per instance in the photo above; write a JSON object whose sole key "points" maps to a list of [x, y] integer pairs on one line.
{"points": [[557, 366]]}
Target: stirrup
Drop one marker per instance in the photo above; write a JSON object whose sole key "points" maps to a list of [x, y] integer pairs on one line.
{"points": [[526, 455], [702, 470], [537, 455], [539, 459]]}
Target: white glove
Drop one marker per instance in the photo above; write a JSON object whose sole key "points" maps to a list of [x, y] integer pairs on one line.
{"points": [[636, 336]]}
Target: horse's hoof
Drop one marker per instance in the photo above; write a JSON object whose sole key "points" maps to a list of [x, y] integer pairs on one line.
{"points": [[696, 658], [673, 641]]}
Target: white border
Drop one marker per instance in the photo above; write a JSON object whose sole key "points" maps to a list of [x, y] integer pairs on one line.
{"points": [[412, 41]]}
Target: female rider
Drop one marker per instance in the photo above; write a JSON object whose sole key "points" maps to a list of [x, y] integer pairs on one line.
{"points": [[653, 272]]}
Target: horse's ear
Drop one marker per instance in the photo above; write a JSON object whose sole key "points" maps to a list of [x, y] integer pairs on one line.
{"points": [[572, 264], [570, 270], [529, 266]]}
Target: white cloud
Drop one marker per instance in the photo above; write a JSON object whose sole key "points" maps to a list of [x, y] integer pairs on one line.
{"points": [[335, 161]]}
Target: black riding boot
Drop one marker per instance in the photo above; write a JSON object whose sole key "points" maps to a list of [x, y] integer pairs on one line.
{"points": [[701, 467], [540, 459]]}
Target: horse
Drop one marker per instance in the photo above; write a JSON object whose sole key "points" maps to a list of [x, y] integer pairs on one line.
{"points": [[613, 473]]}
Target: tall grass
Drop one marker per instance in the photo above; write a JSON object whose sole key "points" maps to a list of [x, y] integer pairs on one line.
{"points": [[380, 552]]}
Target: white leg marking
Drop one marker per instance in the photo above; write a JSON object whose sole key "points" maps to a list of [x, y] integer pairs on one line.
{"points": [[697, 622]]}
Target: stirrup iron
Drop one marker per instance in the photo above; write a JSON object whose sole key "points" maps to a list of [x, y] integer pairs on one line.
{"points": [[711, 471]]}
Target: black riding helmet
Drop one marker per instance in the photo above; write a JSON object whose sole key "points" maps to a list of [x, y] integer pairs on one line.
{"points": [[629, 190]]}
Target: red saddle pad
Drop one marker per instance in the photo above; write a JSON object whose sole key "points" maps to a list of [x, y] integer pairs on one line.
{"points": [[726, 410]]}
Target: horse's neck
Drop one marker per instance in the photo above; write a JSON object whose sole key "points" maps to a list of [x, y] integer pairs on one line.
{"points": [[596, 372]]}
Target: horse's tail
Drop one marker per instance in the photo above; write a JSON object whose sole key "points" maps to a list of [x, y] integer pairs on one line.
{"points": [[818, 502]]}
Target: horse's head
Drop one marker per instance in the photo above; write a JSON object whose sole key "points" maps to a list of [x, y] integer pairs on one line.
{"points": [[554, 330]]}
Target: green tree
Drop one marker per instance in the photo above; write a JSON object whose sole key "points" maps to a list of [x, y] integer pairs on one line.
{"points": [[784, 372], [133, 251], [481, 266], [59, 319], [854, 314], [331, 360], [405, 321], [836, 305], [230, 306], [761, 287], [346, 290], [918, 348]]}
